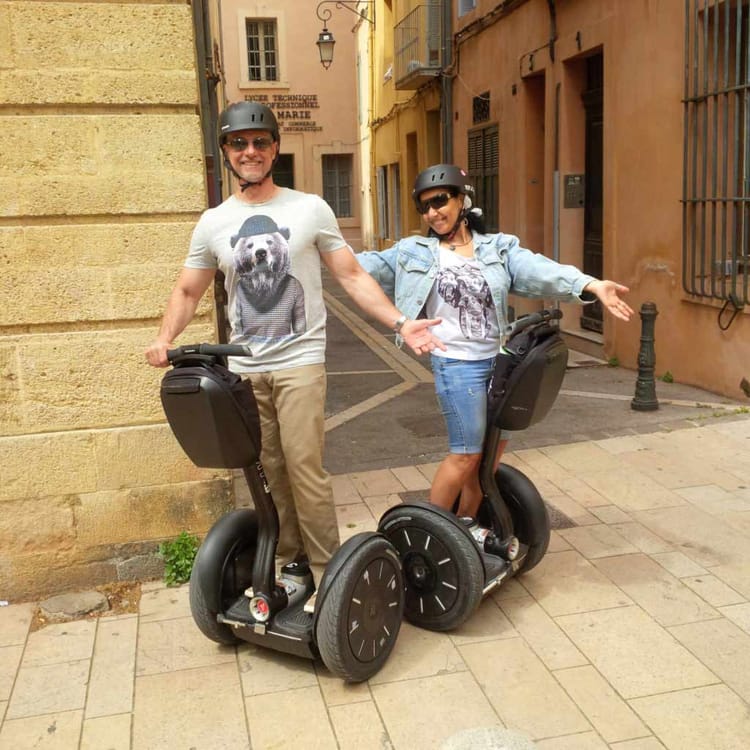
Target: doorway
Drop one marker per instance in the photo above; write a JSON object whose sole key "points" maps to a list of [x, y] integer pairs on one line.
{"points": [[593, 221]]}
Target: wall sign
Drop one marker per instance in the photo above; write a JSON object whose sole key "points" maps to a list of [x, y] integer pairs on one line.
{"points": [[294, 112]]}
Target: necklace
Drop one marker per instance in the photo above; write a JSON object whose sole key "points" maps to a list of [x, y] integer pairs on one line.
{"points": [[453, 245]]}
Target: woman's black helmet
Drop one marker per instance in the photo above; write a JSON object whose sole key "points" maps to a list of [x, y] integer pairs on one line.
{"points": [[247, 116], [442, 175]]}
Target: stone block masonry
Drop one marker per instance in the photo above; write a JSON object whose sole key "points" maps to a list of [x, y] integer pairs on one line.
{"points": [[102, 178]]}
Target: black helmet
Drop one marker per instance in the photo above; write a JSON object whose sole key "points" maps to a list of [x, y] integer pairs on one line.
{"points": [[442, 175], [247, 116]]}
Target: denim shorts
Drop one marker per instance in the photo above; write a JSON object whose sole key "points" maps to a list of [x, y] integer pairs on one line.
{"points": [[461, 387]]}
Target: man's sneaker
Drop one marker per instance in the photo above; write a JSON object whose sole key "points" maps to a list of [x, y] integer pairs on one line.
{"points": [[310, 603]]}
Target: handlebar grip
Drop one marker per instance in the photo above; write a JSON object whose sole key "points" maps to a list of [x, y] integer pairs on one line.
{"points": [[219, 350], [532, 319]]}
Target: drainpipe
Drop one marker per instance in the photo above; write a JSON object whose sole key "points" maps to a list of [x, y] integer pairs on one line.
{"points": [[556, 180], [446, 84], [207, 81]]}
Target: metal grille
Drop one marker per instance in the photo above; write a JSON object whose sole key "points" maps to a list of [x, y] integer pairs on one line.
{"points": [[261, 50], [716, 169], [480, 106], [337, 183], [484, 160]]}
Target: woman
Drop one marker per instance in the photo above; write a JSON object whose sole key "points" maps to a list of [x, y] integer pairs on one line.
{"points": [[462, 276]]}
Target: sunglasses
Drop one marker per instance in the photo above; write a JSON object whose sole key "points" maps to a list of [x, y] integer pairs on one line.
{"points": [[437, 201], [238, 143]]}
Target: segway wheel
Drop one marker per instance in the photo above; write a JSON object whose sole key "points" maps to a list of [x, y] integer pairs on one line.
{"points": [[222, 570], [527, 509], [361, 611], [443, 571]]}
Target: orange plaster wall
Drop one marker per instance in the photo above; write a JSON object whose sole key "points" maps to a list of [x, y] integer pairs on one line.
{"points": [[642, 43]]}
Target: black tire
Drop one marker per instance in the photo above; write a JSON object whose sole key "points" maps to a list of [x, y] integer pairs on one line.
{"points": [[527, 509], [222, 570], [361, 610], [443, 572]]}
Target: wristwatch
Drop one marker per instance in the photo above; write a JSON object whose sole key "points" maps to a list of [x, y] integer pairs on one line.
{"points": [[398, 325]]}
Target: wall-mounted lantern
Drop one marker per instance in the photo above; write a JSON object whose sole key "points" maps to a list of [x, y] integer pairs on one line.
{"points": [[325, 38]]}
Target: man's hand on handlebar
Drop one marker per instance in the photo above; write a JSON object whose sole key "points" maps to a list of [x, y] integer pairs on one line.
{"points": [[156, 354]]}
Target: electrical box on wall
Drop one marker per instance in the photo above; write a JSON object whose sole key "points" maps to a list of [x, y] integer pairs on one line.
{"points": [[574, 191]]}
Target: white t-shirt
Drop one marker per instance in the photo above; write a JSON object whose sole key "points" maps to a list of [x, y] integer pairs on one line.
{"points": [[270, 256], [461, 297]]}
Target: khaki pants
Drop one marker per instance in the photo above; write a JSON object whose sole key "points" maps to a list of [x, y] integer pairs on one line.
{"points": [[291, 404]]}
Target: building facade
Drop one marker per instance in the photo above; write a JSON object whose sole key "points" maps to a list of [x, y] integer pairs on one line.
{"points": [[613, 135], [269, 54]]}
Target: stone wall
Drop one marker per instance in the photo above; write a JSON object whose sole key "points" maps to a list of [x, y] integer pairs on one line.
{"points": [[102, 179]]}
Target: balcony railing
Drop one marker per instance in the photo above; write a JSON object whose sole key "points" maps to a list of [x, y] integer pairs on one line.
{"points": [[418, 42]]}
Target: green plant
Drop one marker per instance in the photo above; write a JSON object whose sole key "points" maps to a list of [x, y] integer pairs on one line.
{"points": [[613, 362], [178, 555], [667, 377]]}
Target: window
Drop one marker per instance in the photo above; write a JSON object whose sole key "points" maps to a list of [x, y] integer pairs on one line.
{"points": [[337, 183], [283, 171], [394, 175], [716, 166], [483, 168], [262, 51], [382, 183], [480, 108], [464, 6]]}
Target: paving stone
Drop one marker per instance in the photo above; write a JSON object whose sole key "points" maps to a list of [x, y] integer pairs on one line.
{"points": [[199, 708], [295, 718], [565, 582], [419, 653], [110, 732], [522, 691], [358, 726], [15, 620], [49, 689], [723, 647], [423, 713], [63, 642], [633, 653], [597, 541], [110, 688], [73, 606], [54, 731], [666, 598], [610, 715], [264, 670], [709, 717], [169, 645], [541, 632], [488, 739]]}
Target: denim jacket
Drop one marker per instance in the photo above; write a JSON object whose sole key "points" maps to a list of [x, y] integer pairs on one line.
{"points": [[407, 271]]}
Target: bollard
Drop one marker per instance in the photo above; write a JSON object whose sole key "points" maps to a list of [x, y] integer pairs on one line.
{"points": [[645, 386]]}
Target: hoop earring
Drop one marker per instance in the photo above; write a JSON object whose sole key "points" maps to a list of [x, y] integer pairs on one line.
{"points": [[466, 221]]}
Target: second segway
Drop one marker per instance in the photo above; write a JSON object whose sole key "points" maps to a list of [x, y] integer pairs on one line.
{"points": [[450, 563]]}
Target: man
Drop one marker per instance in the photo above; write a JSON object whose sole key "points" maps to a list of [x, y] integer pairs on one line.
{"points": [[269, 242]]}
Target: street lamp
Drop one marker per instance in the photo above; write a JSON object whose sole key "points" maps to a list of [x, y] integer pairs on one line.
{"points": [[325, 38], [325, 47]]}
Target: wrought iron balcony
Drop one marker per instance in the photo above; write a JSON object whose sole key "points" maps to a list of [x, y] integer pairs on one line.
{"points": [[418, 43]]}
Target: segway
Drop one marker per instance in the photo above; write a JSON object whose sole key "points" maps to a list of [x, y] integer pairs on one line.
{"points": [[234, 592], [451, 563]]}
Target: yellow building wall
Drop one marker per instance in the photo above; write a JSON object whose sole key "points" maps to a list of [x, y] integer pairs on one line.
{"points": [[102, 178], [643, 48], [405, 123]]}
